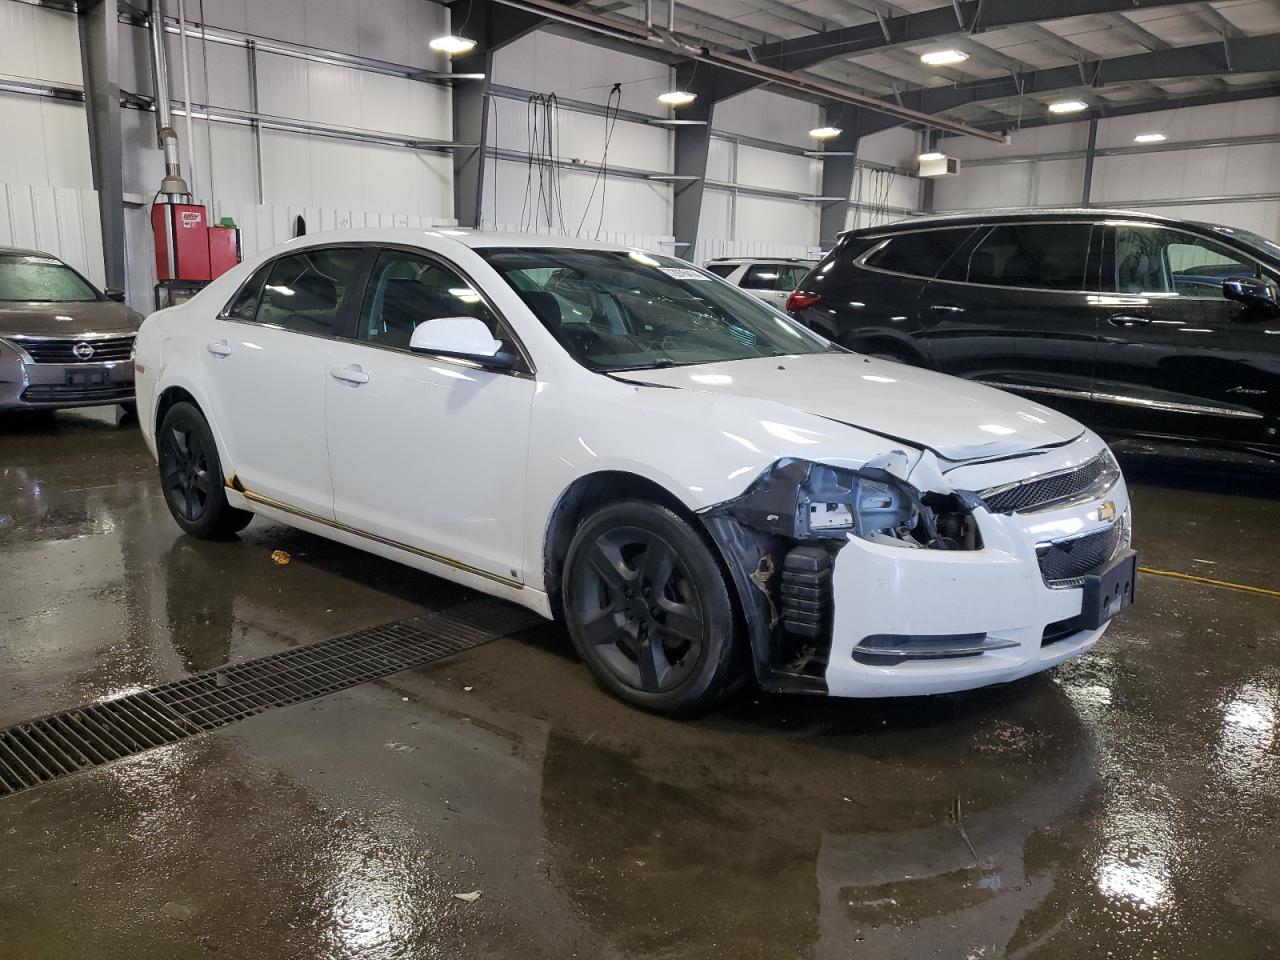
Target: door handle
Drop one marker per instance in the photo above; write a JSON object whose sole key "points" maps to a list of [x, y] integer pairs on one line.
{"points": [[946, 308], [219, 348], [1127, 320], [349, 374]]}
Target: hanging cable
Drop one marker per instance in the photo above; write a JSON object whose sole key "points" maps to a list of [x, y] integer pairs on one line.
{"points": [[611, 110]]}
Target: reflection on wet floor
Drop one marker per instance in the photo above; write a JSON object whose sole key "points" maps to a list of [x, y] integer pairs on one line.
{"points": [[1125, 805]]}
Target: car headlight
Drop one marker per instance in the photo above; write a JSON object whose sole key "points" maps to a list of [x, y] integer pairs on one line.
{"points": [[802, 500]]}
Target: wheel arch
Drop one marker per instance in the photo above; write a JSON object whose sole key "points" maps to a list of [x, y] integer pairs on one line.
{"points": [[590, 492]]}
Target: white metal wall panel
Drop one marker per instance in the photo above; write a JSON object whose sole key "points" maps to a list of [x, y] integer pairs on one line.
{"points": [[766, 220], [39, 43], [768, 116], [777, 171], [896, 146], [581, 137], [546, 63], [630, 206], [58, 220], [55, 142]]}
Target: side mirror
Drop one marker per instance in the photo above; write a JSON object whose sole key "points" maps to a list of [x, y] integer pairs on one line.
{"points": [[114, 293], [1252, 292], [460, 337]]}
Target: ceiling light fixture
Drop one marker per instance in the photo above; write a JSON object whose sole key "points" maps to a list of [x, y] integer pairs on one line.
{"points": [[452, 45], [1068, 106], [932, 156], [677, 98], [1149, 138], [943, 58], [825, 133]]}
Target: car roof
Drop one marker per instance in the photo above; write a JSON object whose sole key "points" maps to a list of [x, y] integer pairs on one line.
{"points": [[762, 259], [24, 252], [476, 239], [1008, 214]]}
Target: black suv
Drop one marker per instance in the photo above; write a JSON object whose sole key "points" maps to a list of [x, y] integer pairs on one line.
{"points": [[1133, 323]]}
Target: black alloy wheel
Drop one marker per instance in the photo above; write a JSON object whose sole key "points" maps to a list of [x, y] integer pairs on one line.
{"points": [[184, 471], [649, 610], [191, 476]]}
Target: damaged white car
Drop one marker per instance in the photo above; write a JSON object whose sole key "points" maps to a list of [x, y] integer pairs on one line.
{"points": [[703, 490]]}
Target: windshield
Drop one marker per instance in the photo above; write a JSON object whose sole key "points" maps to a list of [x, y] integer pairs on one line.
{"points": [[615, 310], [41, 279]]}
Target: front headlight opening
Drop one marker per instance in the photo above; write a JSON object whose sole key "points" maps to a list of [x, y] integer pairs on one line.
{"points": [[812, 501]]}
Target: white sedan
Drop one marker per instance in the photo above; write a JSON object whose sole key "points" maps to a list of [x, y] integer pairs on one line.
{"points": [[700, 488]]}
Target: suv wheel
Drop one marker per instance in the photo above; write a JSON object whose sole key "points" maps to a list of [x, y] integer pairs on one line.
{"points": [[191, 476], [649, 609]]}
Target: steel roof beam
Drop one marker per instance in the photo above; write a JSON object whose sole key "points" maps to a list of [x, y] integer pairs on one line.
{"points": [[1248, 55]]}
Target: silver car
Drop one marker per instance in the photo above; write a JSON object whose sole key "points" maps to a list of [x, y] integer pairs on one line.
{"points": [[63, 343], [770, 279]]}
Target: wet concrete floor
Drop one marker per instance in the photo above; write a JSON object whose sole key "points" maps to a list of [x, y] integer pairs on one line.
{"points": [[1126, 805]]}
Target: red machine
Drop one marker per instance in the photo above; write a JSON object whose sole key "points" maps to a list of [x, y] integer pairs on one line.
{"points": [[182, 241], [189, 251]]}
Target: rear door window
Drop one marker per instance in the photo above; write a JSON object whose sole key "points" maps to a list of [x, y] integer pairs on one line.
{"points": [[791, 276], [919, 254], [1043, 256], [306, 292], [763, 276]]}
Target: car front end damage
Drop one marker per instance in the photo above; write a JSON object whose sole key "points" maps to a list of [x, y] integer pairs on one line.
{"points": [[916, 576]]}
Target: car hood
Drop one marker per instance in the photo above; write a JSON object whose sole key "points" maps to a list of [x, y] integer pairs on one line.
{"points": [[956, 419], [66, 319]]}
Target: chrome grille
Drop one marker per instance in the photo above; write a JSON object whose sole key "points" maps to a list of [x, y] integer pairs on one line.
{"points": [[1094, 476], [63, 349], [1065, 563]]}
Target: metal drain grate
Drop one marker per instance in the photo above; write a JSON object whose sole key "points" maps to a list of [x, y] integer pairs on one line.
{"points": [[65, 743]]}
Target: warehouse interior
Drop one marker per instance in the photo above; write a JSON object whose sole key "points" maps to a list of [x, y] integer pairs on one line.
{"points": [[495, 802]]}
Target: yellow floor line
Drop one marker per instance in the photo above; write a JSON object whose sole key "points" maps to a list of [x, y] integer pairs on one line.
{"points": [[1208, 582]]}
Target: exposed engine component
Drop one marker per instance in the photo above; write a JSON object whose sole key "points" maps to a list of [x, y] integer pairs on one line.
{"points": [[785, 532], [812, 501]]}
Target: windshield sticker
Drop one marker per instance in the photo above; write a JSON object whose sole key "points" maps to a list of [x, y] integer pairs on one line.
{"points": [[683, 273]]}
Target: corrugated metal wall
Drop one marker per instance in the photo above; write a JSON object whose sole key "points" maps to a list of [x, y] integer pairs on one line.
{"points": [[47, 200], [1145, 179]]}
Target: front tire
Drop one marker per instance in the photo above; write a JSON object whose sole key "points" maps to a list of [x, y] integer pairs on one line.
{"points": [[191, 476], [649, 609]]}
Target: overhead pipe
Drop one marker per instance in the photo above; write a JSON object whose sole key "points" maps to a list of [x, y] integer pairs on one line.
{"points": [[186, 87], [648, 16], [671, 16], [166, 137], [784, 78]]}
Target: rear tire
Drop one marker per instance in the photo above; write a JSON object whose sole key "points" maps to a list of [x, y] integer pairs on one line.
{"points": [[649, 610], [191, 476]]}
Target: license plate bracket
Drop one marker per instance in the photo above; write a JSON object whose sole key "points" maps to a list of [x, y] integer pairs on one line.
{"points": [[86, 378], [1109, 590]]}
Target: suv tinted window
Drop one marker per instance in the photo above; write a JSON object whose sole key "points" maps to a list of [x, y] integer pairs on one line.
{"points": [[920, 254], [791, 276], [1047, 256], [406, 290], [1160, 260], [763, 276], [305, 291], [721, 269]]}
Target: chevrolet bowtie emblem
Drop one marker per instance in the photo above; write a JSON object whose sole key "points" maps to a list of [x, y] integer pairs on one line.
{"points": [[1107, 510]]}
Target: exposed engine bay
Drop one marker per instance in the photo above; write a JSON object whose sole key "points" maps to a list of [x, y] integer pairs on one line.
{"points": [[785, 531]]}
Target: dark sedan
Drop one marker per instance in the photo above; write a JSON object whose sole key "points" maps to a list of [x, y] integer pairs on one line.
{"points": [[1136, 324], [63, 343]]}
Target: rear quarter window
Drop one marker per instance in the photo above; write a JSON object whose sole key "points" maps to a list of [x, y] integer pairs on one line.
{"points": [[721, 269], [919, 254]]}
